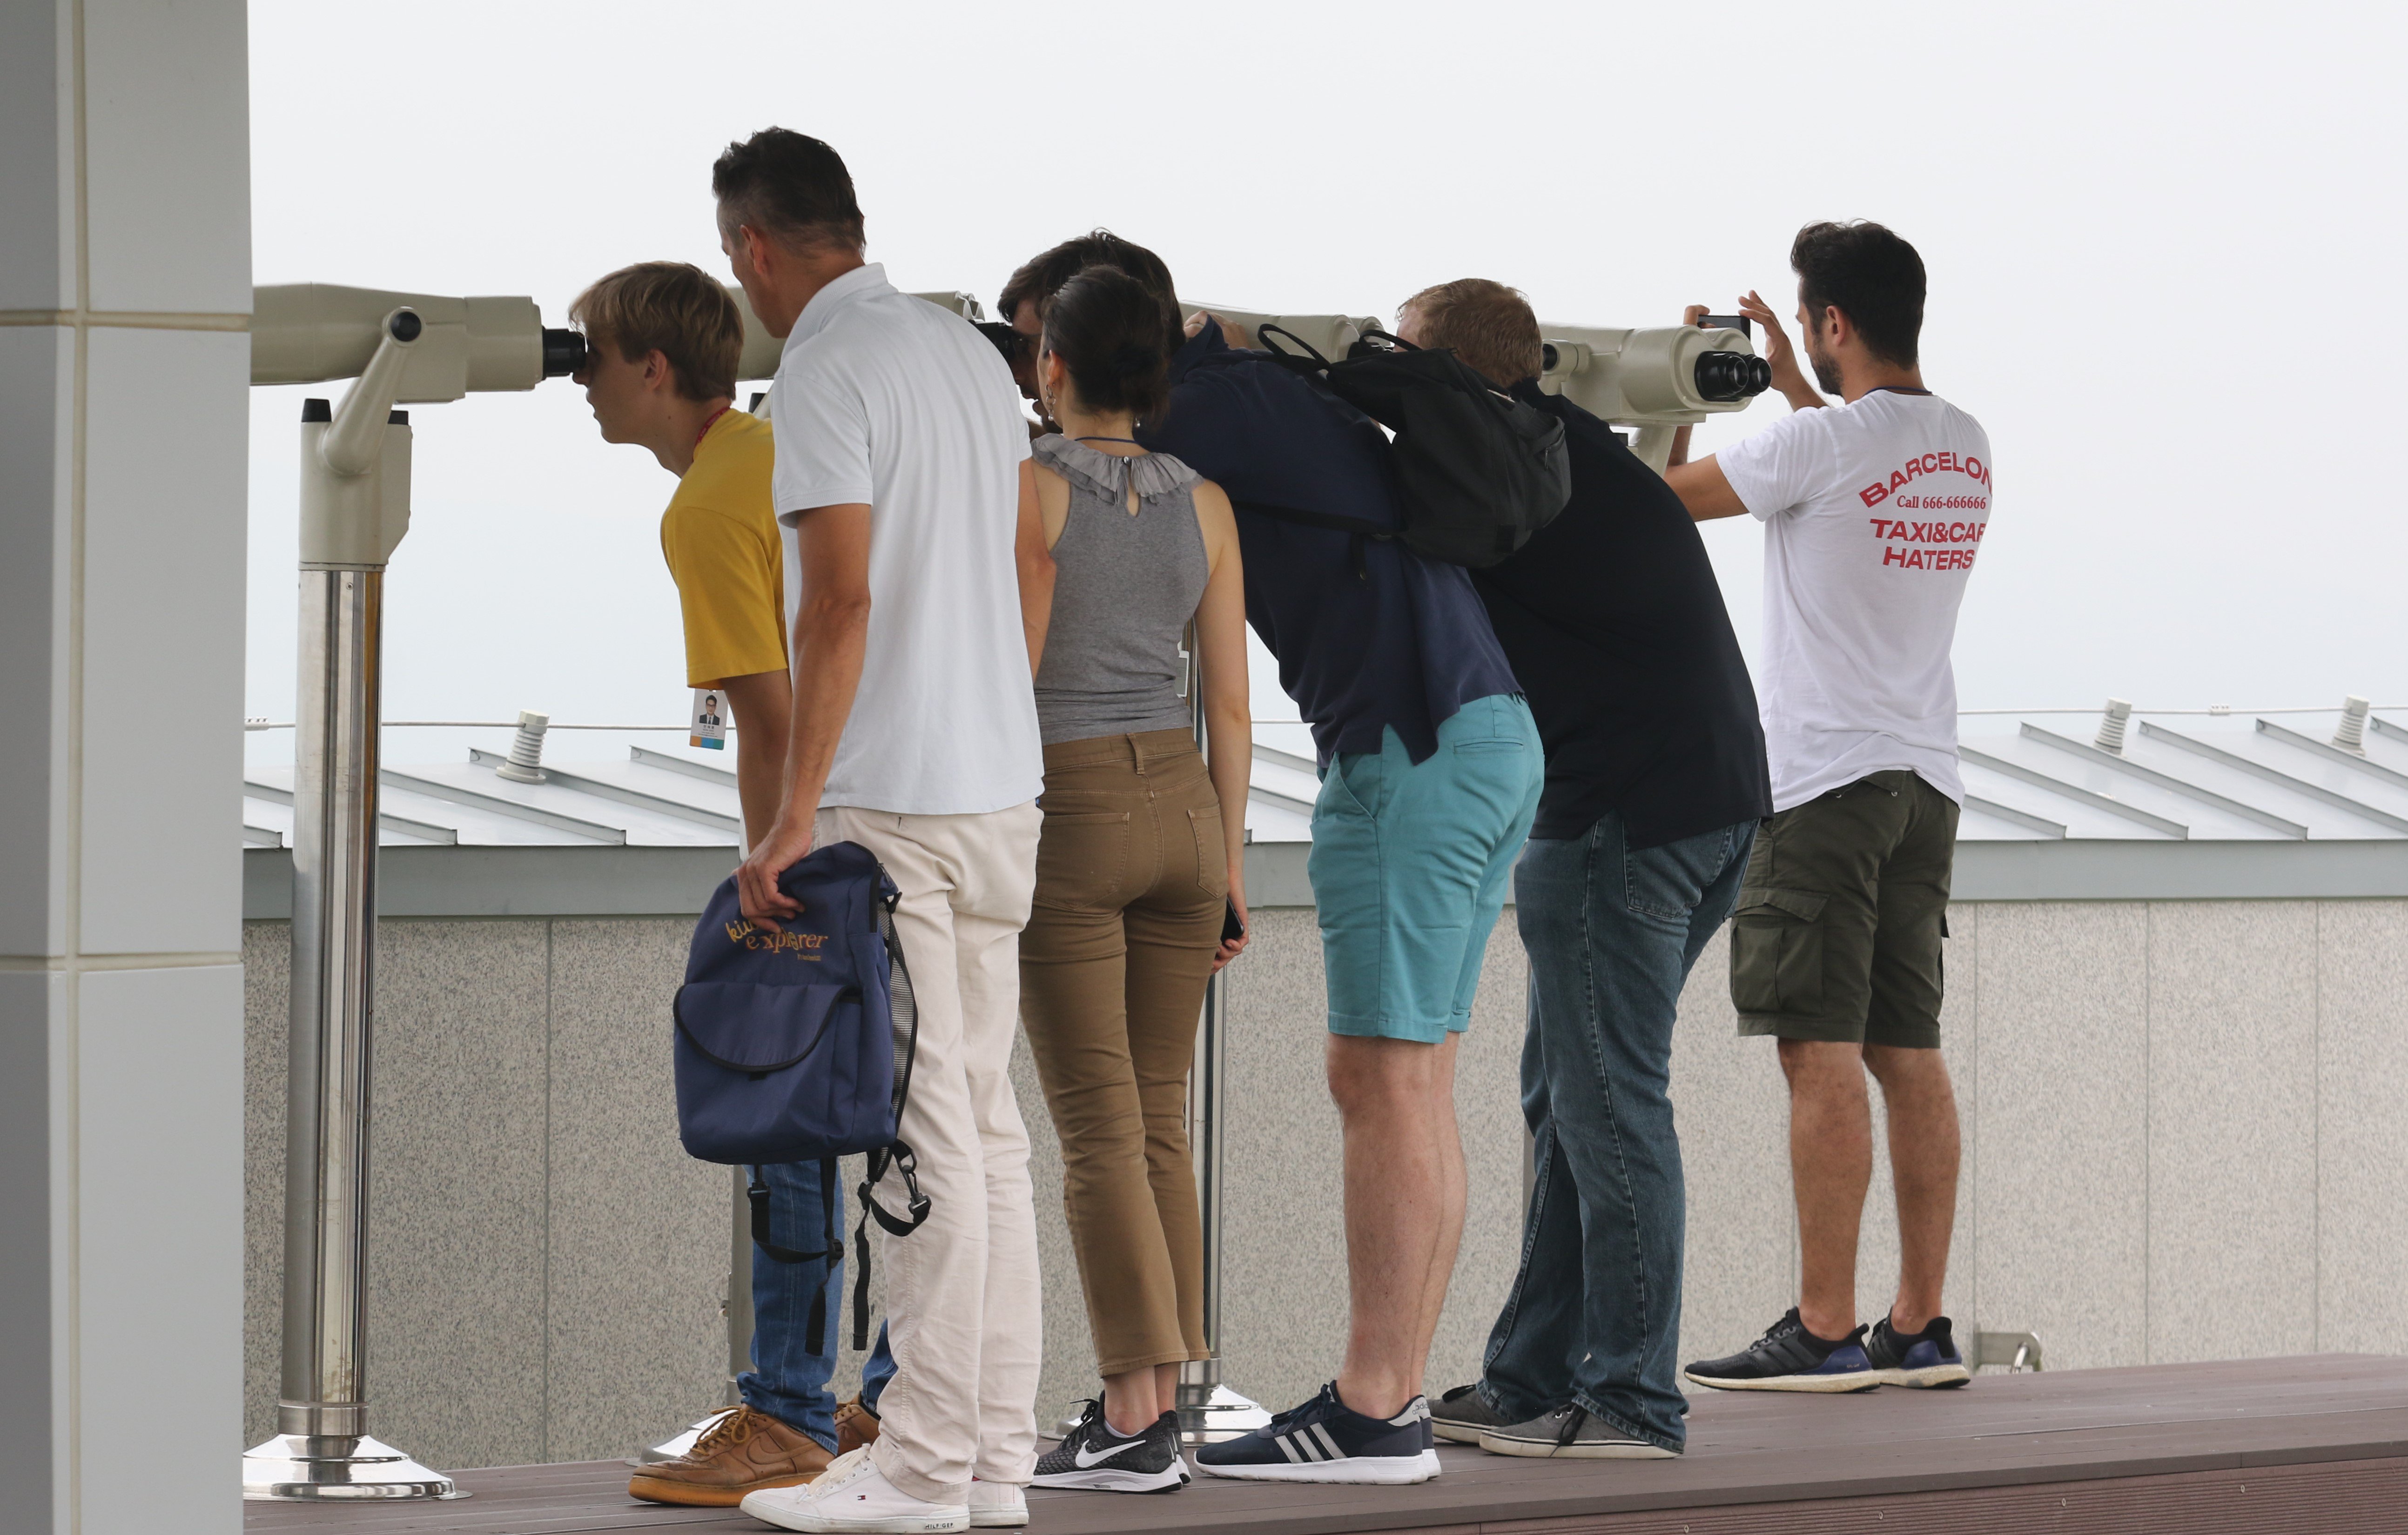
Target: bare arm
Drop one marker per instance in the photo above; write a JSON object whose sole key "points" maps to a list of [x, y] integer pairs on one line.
{"points": [[1704, 490], [1228, 707], [831, 637], [1034, 556], [763, 705]]}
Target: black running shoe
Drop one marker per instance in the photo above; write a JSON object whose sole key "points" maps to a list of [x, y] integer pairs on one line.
{"points": [[1789, 1358], [1325, 1440], [1093, 1456], [1461, 1414], [1927, 1358]]}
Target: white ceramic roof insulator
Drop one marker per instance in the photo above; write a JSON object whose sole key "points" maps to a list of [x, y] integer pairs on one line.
{"points": [[2351, 737], [526, 749], [2110, 727]]}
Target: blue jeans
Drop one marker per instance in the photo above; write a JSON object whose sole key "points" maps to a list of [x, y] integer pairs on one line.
{"points": [[1594, 1316], [788, 1380], [876, 1371]]}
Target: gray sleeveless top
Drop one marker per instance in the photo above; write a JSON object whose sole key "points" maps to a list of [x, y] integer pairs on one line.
{"points": [[1125, 586]]}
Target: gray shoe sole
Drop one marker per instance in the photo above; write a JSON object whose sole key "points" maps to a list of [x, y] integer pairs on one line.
{"points": [[1458, 1433], [1547, 1449]]}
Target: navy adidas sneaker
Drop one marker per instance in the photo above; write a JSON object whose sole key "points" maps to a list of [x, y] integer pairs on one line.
{"points": [[1927, 1358], [1325, 1440], [1789, 1358]]}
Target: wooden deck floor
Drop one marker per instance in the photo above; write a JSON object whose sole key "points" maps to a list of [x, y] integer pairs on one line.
{"points": [[2266, 1445]]}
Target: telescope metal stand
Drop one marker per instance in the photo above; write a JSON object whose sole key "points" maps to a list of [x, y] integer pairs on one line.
{"points": [[355, 500]]}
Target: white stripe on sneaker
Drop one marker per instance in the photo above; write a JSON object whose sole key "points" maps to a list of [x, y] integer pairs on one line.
{"points": [[1287, 1448], [1320, 1431]]}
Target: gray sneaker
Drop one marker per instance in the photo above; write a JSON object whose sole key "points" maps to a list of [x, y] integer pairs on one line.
{"points": [[1569, 1433], [1461, 1415]]}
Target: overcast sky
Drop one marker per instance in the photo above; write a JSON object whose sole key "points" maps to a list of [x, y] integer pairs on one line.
{"points": [[2160, 239]]}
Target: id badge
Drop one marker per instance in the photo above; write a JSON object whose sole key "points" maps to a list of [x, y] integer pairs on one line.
{"points": [[710, 720]]}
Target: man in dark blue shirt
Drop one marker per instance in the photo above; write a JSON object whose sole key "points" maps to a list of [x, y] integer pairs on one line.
{"points": [[1655, 781], [1431, 769]]}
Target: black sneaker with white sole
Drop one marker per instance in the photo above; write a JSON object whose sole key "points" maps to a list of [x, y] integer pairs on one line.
{"points": [[1571, 1432], [1928, 1358], [1462, 1413], [1325, 1440], [1789, 1358], [1095, 1456]]}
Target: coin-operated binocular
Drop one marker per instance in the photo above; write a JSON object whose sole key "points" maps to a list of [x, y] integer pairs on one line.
{"points": [[1655, 380], [403, 349]]}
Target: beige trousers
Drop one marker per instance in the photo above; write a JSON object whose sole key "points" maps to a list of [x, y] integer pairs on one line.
{"points": [[963, 1302]]}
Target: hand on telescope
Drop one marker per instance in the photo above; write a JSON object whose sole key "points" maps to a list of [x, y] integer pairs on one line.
{"points": [[1234, 333], [1787, 377], [756, 878]]}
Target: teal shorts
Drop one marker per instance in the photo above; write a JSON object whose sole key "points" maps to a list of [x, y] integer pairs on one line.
{"points": [[1410, 864]]}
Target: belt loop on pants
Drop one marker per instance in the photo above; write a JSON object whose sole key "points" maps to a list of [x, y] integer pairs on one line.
{"points": [[1137, 753]]}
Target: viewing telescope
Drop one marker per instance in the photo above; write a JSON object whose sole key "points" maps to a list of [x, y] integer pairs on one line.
{"points": [[1653, 379], [403, 349]]}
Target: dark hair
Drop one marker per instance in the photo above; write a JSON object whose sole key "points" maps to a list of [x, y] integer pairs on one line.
{"points": [[1868, 274], [1042, 274], [789, 185], [1106, 328]]}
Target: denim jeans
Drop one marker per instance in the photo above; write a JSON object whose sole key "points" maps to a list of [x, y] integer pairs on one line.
{"points": [[789, 1381], [876, 1371], [1594, 1316]]}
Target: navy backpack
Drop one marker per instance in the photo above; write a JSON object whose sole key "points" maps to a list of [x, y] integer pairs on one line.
{"points": [[797, 1046]]}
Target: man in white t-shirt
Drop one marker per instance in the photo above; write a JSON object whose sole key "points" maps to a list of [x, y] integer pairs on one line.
{"points": [[1873, 509], [918, 618]]}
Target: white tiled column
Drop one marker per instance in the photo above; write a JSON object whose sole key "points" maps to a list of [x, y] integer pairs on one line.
{"points": [[125, 297]]}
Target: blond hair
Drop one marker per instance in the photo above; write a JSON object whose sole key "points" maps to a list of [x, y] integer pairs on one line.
{"points": [[675, 310], [1487, 324]]}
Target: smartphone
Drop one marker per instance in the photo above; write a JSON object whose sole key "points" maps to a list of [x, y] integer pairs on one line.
{"points": [[1727, 321], [1231, 929]]}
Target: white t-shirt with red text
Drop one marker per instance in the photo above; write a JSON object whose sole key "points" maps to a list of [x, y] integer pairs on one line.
{"points": [[1872, 514]]}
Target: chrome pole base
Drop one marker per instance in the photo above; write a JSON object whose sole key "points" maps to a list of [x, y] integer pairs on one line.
{"points": [[303, 1469], [1208, 1411], [679, 1442]]}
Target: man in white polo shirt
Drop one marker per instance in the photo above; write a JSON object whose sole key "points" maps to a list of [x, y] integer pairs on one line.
{"points": [[1872, 511], [919, 616]]}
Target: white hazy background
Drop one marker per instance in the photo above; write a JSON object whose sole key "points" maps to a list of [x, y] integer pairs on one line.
{"points": [[2159, 238]]}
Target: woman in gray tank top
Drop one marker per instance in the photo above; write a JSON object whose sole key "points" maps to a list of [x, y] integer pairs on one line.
{"points": [[1141, 859]]}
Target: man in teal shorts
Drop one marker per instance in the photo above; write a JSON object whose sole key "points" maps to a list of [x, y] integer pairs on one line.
{"points": [[1430, 773]]}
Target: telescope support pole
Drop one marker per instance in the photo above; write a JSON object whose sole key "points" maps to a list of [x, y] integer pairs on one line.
{"points": [[322, 1451], [1209, 1409]]}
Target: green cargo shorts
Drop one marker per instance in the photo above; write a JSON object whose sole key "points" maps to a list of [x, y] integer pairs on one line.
{"points": [[1838, 931]]}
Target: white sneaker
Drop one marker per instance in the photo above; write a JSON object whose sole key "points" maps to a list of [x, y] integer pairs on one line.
{"points": [[997, 1505], [851, 1496]]}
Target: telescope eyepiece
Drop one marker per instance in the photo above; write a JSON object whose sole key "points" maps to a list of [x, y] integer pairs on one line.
{"points": [[406, 325], [1724, 375], [564, 351]]}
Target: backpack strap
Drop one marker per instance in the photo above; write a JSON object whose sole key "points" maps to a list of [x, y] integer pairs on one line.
{"points": [[1304, 360], [917, 1206], [905, 1011]]}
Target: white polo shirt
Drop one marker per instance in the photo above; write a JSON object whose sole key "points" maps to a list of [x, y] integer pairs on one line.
{"points": [[887, 399], [1872, 514]]}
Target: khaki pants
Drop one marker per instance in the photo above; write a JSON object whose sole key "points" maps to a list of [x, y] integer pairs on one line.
{"points": [[1131, 875], [963, 1304]]}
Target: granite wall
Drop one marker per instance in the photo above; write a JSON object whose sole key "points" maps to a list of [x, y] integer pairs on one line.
{"points": [[2182, 1131]]}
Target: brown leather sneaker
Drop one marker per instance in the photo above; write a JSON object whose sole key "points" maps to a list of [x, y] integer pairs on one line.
{"points": [[856, 1425], [743, 1452]]}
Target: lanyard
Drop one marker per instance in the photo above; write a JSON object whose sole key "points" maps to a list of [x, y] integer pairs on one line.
{"points": [[711, 421]]}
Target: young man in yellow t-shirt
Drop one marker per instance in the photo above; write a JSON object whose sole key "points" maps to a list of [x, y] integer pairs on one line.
{"points": [[663, 343]]}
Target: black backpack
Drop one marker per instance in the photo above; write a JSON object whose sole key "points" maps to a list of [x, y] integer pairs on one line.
{"points": [[1478, 473]]}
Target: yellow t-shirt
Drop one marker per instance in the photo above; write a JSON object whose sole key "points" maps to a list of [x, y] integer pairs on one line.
{"points": [[723, 544]]}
